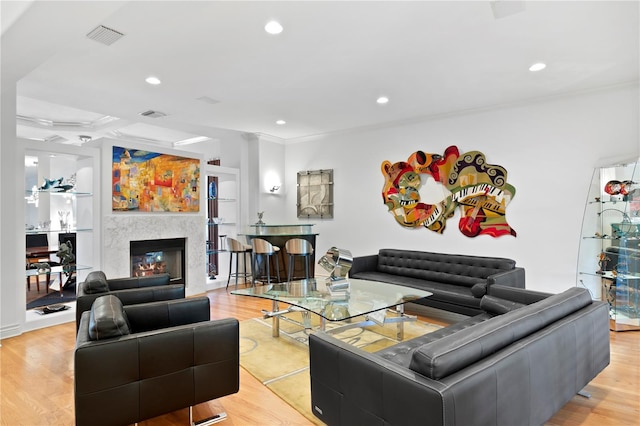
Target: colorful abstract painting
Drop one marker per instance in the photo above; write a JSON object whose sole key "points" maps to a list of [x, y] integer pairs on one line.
{"points": [[153, 182], [464, 181]]}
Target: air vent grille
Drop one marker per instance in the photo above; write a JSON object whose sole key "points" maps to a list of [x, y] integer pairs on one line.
{"points": [[105, 35], [208, 100], [153, 114]]}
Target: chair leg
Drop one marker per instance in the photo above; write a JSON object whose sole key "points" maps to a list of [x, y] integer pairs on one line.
{"points": [[255, 271], [230, 259], [268, 270], [245, 266], [290, 268], [237, 270], [306, 266], [208, 421]]}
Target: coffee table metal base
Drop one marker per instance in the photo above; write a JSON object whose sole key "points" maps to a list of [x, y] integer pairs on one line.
{"points": [[276, 313]]}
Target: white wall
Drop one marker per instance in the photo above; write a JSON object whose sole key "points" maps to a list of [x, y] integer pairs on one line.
{"points": [[548, 148], [12, 295], [271, 154]]}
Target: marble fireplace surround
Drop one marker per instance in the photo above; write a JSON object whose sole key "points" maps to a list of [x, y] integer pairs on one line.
{"points": [[119, 230]]}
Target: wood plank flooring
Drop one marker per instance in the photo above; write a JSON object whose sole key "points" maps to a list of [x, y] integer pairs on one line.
{"points": [[36, 381]]}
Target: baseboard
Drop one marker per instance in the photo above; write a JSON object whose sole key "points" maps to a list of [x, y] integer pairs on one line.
{"points": [[35, 321], [10, 331]]}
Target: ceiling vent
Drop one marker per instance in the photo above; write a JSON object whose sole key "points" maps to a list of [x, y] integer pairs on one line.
{"points": [[208, 100], [105, 35], [504, 8], [153, 114]]}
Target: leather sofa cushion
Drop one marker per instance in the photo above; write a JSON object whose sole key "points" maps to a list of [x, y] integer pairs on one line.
{"points": [[450, 293], [138, 282], [498, 306], [452, 353], [441, 267], [401, 352], [107, 319], [165, 314], [132, 296], [479, 290], [96, 282]]}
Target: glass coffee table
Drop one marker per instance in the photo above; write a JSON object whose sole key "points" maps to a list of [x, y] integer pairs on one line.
{"points": [[377, 302]]}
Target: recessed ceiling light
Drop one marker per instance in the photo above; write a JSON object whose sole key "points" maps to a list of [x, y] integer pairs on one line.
{"points": [[281, 122], [153, 80], [382, 100], [273, 27], [537, 67]]}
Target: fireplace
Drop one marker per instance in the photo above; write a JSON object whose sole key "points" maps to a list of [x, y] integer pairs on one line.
{"points": [[151, 257]]}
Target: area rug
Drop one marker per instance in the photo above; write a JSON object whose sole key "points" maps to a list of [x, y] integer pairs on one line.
{"points": [[53, 297], [282, 363]]}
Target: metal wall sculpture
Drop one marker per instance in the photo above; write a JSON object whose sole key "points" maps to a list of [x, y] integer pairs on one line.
{"points": [[315, 194], [479, 189], [153, 182]]}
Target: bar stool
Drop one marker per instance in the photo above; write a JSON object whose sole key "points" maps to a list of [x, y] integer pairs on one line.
{"points": [[238, 248], [264, 248], [298, 247]]}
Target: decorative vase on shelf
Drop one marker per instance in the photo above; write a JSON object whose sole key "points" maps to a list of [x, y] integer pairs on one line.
{"points": [[213, 190]]}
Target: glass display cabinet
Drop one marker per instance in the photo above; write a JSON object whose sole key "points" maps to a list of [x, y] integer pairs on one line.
{"points": [[609, 253]]}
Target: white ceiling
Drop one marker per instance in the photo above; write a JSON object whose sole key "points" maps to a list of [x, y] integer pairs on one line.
{"points": [[322, 74]]}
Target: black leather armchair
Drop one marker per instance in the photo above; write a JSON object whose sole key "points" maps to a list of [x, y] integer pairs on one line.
{"points": [[140, 361], [130, 290]]}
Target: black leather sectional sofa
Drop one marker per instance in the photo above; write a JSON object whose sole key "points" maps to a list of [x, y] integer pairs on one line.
{"points": [[517, 362], [457, 282]]}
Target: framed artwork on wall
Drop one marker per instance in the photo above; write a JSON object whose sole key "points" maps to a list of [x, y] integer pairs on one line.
{"points": [[153, 182], [315, 194]]}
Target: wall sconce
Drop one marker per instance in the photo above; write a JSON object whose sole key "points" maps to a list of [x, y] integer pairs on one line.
{"points": [[272, 182]]}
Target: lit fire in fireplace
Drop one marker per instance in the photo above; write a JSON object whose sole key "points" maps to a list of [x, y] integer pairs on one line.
{"points": [[160, 256], [148, 264]]}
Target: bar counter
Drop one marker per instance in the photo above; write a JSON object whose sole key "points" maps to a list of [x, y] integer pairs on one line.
{"points": [[278, 235]]}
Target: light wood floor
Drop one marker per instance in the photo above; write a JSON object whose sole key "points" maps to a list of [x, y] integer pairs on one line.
{"points": [[36, 387]]}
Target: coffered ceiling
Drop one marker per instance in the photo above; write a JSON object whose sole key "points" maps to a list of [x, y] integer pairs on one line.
{"points": [[221, 71]]}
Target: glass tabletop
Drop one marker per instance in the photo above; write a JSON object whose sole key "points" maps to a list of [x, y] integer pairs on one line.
{"points": [[363, 297], [31, 272]]}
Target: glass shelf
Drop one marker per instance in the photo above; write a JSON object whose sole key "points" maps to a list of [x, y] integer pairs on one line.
{"points": [[222, 200], [216, 251], [62, 231], [54, 192], [32, 272]]}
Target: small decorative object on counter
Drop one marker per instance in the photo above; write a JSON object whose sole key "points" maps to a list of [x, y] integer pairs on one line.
{"points": [[260, 222]]}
